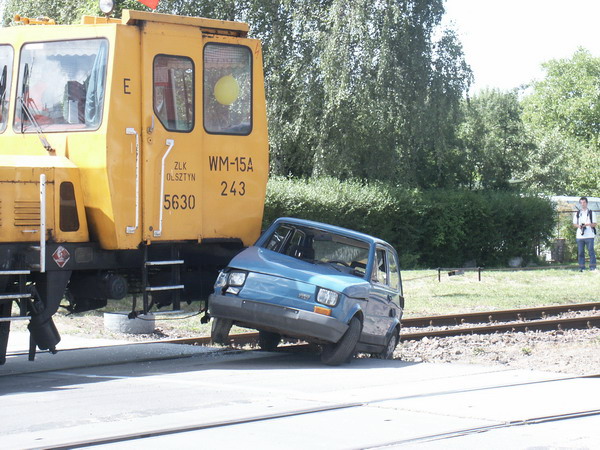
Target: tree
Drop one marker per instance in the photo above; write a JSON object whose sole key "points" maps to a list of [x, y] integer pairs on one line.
{"points": [[563, 113], [496, 143]]}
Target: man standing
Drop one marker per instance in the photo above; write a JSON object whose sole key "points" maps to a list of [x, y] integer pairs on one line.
{"points": [[585, 222]]}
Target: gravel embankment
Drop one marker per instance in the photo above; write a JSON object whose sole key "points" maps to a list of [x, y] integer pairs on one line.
{"points": [[571, 351]]}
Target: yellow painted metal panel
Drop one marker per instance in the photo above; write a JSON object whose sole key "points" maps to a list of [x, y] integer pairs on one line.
{"points": [[132, 17]]}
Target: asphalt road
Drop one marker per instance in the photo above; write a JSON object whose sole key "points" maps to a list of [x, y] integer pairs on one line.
{"points": [[171, 397]]}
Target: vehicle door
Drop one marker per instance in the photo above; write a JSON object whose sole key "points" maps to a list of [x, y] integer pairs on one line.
{"points": [[384, 291], [171, 156]]}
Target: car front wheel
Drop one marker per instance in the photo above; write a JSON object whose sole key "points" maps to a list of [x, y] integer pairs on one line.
{"points": [[336, 354], [219, 332], [268, 341]]}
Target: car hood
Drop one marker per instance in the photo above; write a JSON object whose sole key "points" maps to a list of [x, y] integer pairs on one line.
{"points": [[256, 259]]}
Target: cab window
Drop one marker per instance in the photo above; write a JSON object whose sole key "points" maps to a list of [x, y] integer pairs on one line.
{"points": [[61, 86], [173, 95], [227, 89], [6, 64]]}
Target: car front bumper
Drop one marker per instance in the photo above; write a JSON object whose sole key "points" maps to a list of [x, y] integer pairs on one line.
{"points": [[281, 319]]}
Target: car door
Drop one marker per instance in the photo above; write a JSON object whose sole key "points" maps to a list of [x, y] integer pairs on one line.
{"points": [[395, 284], [380, 314]]}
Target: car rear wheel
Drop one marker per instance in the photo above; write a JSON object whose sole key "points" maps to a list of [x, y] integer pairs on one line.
{"points": [[268, 341], [219, 332], [338, 353], [388, 352]]}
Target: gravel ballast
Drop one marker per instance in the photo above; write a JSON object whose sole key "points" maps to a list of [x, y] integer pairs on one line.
{"points": [[571, 351]]}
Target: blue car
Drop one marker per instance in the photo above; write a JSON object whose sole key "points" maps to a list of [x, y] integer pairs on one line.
{"points": [[320, 283]]}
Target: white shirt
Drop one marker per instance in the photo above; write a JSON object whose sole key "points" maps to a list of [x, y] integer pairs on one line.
{"points": [[584, 218]]}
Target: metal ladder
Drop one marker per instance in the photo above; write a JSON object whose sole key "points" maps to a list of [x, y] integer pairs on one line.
{"points": [[6, 316], [21, 295], [174, 263]]}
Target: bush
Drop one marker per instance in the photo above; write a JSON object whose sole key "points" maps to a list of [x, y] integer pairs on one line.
{"points": [[428, 229]]}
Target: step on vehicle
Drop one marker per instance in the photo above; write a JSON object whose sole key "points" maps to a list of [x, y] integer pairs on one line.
{"points": [[133, 161], [319, 283]]}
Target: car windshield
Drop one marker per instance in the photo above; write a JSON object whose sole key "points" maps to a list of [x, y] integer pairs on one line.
{"points": [[317, 246]]}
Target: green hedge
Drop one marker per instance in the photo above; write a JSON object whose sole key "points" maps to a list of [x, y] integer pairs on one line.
{"points": [[428, 229]]}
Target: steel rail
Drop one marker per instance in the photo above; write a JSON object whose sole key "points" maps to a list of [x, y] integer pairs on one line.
{"points": [[485, 428], [539, 312], [137, 435], [578, 323]]}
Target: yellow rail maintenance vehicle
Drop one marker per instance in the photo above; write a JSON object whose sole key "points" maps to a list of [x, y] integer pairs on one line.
{"points": [[133, 160]]}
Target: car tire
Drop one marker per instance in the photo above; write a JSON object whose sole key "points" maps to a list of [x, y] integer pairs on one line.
{"points": [[343, 350], [388, 351], [219, 331], [268, 341]]}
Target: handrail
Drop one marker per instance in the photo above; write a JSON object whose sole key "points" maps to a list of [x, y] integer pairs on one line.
{"points": [[131, 131], [170, 143]]}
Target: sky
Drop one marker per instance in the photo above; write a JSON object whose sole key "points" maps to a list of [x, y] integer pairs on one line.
{"points": [[506, 41]]}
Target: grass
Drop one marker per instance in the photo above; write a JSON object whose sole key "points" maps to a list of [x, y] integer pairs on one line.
{"points": [[424, 295]]}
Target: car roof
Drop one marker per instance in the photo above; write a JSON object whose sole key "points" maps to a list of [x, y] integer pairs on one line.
{"points": [[332, 228]]}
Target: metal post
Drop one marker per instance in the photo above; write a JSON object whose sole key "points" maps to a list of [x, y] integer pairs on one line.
{"points": [[439, 274], [42, 223], [479, 273]]}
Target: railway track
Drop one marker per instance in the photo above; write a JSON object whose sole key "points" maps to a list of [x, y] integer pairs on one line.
{"points": [[526, 319], [415, 328]]}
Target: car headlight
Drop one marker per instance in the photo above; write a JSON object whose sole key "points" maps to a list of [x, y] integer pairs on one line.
{"points": [[221, 280], [327, 297], [237, 278]]}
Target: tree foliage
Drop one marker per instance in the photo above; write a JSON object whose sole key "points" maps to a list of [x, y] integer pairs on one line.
{"points": [[563, 112], [62, 11], [496, 143]]}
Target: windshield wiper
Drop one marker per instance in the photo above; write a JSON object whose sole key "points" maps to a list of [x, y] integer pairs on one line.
{"points": [[38, 129], [24, 99]]}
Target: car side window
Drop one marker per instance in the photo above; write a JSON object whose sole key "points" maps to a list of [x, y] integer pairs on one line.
{"points": [[394, 270], [380, 269], [278, 238]]}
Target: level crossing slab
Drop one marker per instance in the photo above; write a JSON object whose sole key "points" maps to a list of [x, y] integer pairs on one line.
{"points": [[257, 398]]}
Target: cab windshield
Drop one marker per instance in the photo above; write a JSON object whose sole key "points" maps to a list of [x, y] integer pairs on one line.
{"points": [[61, 86], [317, 246]]}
